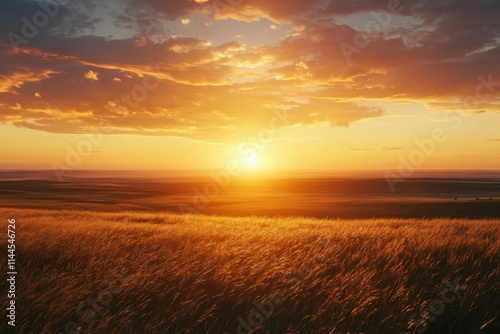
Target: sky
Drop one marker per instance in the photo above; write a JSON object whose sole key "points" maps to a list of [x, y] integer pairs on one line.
{"points": [[282, 84]]}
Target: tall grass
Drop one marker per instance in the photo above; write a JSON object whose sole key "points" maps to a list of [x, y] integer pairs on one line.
{"points": [[208, 274]]}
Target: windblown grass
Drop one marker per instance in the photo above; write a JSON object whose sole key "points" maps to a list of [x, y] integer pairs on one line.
{"points": [[207, 274]]}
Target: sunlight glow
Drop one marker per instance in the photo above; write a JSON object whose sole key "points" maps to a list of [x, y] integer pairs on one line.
{"points": [[251, 161]]}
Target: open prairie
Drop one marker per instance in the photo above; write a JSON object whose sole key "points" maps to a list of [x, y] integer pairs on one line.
{"points": [[467, 195], [139, 272], [250, 166]]}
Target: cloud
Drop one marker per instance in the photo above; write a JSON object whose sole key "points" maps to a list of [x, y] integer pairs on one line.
{"points": [[391, 148], [492, 140], [385, 148], [361, 149], [144, 80], [91, 75]]}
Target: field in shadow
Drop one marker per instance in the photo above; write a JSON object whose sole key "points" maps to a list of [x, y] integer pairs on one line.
{"points": [[139, 272], [263, 196]]}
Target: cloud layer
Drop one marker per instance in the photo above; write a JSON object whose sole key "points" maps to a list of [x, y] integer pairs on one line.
{"points": [[63, 76]]}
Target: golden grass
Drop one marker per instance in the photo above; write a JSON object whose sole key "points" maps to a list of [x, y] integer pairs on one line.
{"points": [[203, 274]]}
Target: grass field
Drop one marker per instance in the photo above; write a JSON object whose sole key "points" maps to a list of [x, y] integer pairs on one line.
{"points": [[86, 272]]}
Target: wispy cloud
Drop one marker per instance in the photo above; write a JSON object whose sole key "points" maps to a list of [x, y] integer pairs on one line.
{"points": [[391, 148], [385, 148], [361, 149]]}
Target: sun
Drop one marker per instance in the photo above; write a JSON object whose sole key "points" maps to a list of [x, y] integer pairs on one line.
{"points": [[251, 161]]}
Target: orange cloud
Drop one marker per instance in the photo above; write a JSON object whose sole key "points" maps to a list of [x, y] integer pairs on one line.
{"points": [[91, 75], [187, 86]]}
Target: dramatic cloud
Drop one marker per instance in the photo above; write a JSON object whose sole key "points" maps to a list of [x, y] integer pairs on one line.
{"points": [[72, 69]]}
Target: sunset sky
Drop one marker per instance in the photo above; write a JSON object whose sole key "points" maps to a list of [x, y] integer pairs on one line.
{"points": [[281, 84]]}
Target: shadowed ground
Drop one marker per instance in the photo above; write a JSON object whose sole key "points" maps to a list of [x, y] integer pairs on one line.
{"points": [[319, 197]]}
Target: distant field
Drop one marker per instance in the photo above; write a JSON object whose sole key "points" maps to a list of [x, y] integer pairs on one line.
{"points": [[442, 197], [137, 272]]}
